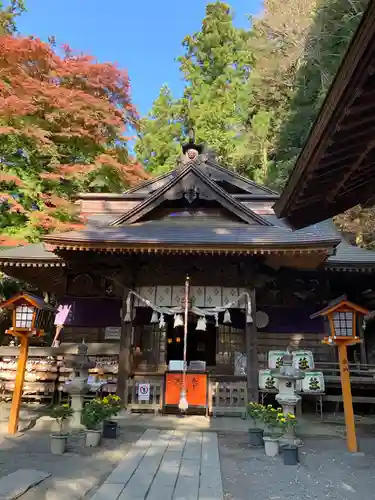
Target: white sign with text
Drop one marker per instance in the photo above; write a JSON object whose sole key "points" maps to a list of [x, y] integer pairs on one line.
{"points": [[112, 332]]}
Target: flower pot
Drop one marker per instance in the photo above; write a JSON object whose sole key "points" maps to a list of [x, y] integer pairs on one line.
{"points": [[256, 437], [59, 443], [290, 454], [271, 446], [93, 437], [110, 429]]}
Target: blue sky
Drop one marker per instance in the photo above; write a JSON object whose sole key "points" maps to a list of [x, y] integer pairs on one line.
{"points": [[142, 36]]}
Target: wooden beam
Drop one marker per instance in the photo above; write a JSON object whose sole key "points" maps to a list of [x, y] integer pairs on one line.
{"points": [[351, 171], [252, 354]]}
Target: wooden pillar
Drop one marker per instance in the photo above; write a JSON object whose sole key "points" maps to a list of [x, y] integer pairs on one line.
{"points": [[17, 393], [362, 345], [124, 354], [347, 399], [252, 354], [162, 349]]}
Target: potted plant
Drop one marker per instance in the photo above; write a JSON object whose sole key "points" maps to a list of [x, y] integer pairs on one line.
{"points": [[112, 405], [93, 415], [290, 451], [255, 412], [272, 432], [59, 439]]}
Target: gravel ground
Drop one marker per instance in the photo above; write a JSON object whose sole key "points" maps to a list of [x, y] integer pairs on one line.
{"points": [[326, 470], [75, 474]]}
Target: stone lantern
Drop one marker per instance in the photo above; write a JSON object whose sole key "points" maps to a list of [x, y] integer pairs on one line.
{"points": [[287, 396], [78, 386]]}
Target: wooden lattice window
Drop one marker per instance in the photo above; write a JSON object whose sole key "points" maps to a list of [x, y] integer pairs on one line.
{"points": [[231, 339]]}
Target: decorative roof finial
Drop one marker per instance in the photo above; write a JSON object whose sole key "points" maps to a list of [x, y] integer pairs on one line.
{"points": [[191, 150], [191, 135]]}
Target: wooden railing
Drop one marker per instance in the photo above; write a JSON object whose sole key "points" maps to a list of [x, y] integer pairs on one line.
{"points": [[360, 374]]}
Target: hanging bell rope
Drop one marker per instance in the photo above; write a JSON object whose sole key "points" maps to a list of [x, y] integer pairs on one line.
{"points": [[201, 312]]}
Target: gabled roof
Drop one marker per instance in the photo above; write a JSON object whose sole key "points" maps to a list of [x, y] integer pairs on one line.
{"points": [[216, 173], [337, 304], [190, 178]]}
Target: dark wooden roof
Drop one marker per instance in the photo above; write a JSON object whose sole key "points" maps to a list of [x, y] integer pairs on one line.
{"points": [[191, 233], [336, 167]]}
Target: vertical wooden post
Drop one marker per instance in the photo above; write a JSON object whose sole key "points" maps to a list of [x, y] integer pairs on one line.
{"points": [[18, 388], [252, 354], [362, 345], [162, 349], [347, 398], [124, 356]]}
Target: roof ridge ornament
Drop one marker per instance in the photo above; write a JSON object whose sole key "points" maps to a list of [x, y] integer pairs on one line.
{"points": [[191, 150]]}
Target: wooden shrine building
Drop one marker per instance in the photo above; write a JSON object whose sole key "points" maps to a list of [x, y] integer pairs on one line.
{"points": [[220, 229]]}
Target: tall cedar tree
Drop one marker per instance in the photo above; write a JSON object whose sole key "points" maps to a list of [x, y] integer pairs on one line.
{"points": [[160, 134], [278, 43], [216, 67], [62, 125]]}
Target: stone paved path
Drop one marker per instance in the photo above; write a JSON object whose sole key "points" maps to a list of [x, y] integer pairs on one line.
{"points": [[167, 465]]}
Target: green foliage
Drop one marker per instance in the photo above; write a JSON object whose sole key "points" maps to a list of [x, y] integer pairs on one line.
{"points": [[216, 68], [61, 413], [93, 414], [160, 133], [8, 14]]}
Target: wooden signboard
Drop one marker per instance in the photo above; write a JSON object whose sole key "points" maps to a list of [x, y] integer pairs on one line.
{"points": [[196, 389]]}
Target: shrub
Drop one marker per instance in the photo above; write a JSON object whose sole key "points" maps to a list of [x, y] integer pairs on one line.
{"points": [[93, 414], [255, 411], [112, 404], [61, 413]]}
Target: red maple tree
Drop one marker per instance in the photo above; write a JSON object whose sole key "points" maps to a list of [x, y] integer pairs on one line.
{"points": [[63, 122]]}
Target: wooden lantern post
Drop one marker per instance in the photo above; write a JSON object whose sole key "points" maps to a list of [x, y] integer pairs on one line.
{"points": [[31, 315], [342, 317]]}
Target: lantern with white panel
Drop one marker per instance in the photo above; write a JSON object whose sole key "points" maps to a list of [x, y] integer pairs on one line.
{"points": [[31, 317], [343, 317]]}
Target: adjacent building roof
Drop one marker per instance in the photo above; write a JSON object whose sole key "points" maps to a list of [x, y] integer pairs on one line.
{"points": [[35, 255], [336, 167]]}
